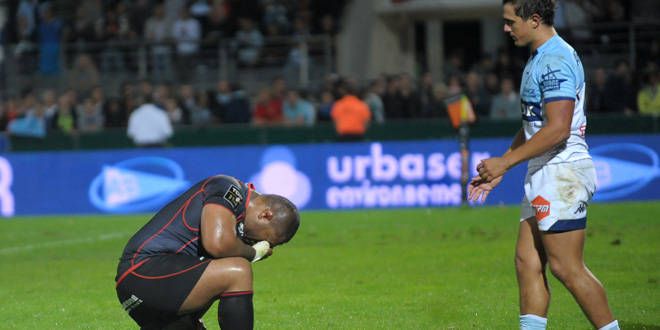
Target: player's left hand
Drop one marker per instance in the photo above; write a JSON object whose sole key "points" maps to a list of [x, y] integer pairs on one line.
{"points": [[492, 168], [262, 251], [479, 189]]}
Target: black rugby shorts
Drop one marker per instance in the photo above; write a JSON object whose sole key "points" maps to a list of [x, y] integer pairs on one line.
{"points": [[153, 290]]}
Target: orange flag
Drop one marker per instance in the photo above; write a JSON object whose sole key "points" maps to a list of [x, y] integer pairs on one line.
{"points": [[460, 110]]}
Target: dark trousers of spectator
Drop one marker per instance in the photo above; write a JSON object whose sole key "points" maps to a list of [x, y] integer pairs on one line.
{"points": [[185, 67], [350, 137]]}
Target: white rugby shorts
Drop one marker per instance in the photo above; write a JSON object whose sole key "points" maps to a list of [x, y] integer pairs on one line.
{"points": [[558, 195]]}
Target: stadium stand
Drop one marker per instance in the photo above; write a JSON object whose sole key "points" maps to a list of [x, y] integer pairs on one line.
{"points": [[73, 70]]}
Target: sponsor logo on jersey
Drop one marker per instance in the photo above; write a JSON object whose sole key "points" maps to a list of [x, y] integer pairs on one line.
{"points": [[531, 111], [542, 207], [233, 196], [240, 229], [130, 303], [549, 80], [582, 207]]}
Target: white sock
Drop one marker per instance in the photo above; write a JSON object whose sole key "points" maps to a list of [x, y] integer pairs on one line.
{"points": [[532, 322], [614, 325]]}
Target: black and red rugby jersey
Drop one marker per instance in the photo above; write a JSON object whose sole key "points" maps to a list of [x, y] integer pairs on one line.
{"points": [[176, 227]]}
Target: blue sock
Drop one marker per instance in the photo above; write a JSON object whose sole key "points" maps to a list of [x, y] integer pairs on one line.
{"points": [[532, 322], [614, 325]]}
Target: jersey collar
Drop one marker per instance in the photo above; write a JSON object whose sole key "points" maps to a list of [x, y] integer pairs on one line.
{"points": [[251, 188], [545, 45]]}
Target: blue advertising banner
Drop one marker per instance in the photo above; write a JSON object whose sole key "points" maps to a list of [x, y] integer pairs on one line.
{"points": [[314, 176]]}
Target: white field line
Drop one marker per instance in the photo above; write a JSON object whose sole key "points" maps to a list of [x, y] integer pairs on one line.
{"points": [[30, 247]]}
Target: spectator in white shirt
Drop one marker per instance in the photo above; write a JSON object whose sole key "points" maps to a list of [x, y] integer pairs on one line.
{"points": [[149, 126]]}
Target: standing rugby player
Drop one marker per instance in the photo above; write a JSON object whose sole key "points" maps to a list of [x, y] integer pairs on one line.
{"points": [[561, 177]]}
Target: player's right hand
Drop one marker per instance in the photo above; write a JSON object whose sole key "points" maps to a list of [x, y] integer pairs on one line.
{"points": [[478, 189], [262, 250]]}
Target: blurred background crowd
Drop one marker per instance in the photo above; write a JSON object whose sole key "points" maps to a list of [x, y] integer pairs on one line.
{"points": [[85, 66]]}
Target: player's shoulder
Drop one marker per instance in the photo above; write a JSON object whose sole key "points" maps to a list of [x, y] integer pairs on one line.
{"points": [[222, 180], [227, 191], [559, 52], [555, 59]]}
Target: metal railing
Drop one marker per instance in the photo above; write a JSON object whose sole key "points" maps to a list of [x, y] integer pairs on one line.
{"points": [[300, 60], [604, 43]]}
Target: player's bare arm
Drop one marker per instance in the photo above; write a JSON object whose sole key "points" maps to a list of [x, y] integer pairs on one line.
{"points": [[518, 140], [555, 132], [218, 234]]}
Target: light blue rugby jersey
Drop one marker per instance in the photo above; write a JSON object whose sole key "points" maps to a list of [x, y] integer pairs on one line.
{"points": [[554, 72]]}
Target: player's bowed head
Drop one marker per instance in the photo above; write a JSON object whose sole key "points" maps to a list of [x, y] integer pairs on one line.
{"points": [[526, 21], [271, 218]]}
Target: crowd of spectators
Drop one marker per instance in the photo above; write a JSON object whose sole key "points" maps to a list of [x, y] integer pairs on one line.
{"points": [[175, 31], [82, 105], [490, 86]]}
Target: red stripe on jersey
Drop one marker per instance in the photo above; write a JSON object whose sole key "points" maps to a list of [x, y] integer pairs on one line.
{"points": [[247, 202], [161, 229], [249, 194], [146, 277], [186, 244], [130, 270], [205, 182], [155, 235], [185, 208]]}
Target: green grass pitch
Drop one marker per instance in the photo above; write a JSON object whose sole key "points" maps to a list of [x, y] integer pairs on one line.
{"points": [[381, 269]]}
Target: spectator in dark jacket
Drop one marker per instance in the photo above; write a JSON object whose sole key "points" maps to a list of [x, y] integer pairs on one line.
{"points": [[596, 92], [237, 109], [114, 114], [220, 100], [410, 100], [620, 91], [392, 101]]}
